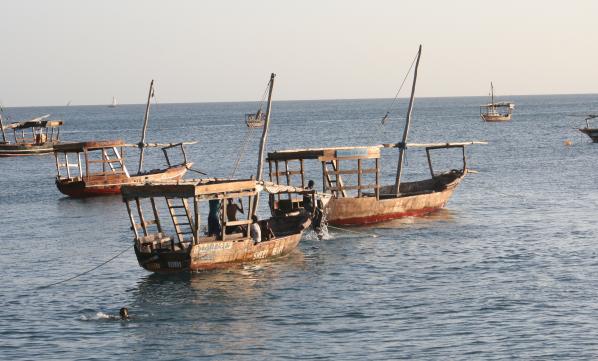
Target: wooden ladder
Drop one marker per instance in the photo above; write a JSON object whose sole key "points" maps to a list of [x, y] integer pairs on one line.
{"points": [[337, 180], [172, 209]]}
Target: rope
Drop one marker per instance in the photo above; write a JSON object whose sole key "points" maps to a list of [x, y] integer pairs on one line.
{"points": [[248, 135], [380, 125], [373, 235], [88, 271]]}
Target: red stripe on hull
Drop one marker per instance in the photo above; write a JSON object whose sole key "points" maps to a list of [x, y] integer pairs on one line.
{"points": [[358, 221]]}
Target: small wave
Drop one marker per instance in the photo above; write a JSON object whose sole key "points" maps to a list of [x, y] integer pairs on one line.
{"points": [[97, 316]]}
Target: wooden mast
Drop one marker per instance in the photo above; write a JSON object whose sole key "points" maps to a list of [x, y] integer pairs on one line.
{"points": [[492, 94], [144, 130], [260, 160], [406, 130]]}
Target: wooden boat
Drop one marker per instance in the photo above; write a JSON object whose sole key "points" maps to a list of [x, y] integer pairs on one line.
{"points": [[98, 168], [368, 201], [44, 135], [591, 132], [496, 112], [182, 247], [255, 120], [228, 241]]}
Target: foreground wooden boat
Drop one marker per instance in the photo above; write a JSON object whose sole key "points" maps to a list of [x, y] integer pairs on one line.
{"points": [[97, 168], [366, 200], [496, 112], [183, 247], [590, 132], [227, 241], [44, 135]]}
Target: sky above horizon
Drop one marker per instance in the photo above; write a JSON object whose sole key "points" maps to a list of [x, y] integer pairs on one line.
{"points": [[86, 52]]}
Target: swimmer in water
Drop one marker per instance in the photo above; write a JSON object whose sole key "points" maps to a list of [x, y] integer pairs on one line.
{"points": [[124, 313]]}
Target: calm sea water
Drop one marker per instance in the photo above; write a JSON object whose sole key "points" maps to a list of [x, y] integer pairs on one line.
{"points": [[508, 270]]}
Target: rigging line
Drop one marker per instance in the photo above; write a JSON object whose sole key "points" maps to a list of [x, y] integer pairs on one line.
{"points": [[248, 135], [401, 87], [88, 271]]}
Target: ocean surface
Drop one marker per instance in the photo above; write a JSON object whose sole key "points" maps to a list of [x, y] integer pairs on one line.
{"points": [[508, 270]]}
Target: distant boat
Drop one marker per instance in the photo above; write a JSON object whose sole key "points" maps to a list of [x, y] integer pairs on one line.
{"points": [[68, 104], [496, 112], [113, 105], [31, 137], [591, 132]]}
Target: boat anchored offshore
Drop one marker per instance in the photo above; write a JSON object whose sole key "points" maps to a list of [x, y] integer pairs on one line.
{"points": [[496, 112], [96, 168], [227, 241], [591, 132], [367, 200], [44, 135]]}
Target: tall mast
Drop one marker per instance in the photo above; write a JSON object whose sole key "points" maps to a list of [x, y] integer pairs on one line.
{"points": [[492, 92], [144, 131], [260, 160], [406, 130]]}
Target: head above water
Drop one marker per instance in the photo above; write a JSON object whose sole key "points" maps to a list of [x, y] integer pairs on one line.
{"points": [[124, 313]]}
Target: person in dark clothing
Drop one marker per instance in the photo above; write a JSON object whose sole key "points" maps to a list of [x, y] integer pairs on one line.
{"points": [[308, 202], [214, 218]]}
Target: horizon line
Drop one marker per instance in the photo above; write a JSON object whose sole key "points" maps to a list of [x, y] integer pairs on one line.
{"points": [[293, 100]]}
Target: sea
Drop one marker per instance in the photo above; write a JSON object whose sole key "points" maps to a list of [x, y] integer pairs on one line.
{"points": [[508, 270]]}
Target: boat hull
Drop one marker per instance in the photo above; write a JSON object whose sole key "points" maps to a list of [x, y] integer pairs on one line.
{"points": [[17, 150], [495, 118], [426, 197], [110, 185], [591, 132], [218, 254]]}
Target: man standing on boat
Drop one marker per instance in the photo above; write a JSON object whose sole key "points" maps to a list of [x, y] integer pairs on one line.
{"points": [[231, 213], [214, 218]]}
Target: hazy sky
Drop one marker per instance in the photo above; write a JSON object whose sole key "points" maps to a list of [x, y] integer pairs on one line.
{"points": [[198, 51]]}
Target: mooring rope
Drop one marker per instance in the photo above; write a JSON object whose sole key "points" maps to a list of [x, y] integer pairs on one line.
{"points": [[373, 235], [88, 271]]}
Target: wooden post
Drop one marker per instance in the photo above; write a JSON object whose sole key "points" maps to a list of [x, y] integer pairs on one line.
{"points": [[359, 177], [263, 141], [144, 130], [302, 173], [132, 219], [2, 127], [429, 162], [377, 178], [156, 215], [141, 218], [196, 213], [406, 130]]}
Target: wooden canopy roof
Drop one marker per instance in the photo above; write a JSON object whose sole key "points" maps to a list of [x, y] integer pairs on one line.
{"points": [[330, 152], [35, 124], [207, 188], [90, 145]]}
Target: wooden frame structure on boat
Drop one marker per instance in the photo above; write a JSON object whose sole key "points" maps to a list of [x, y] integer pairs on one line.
{"points": [[366, 200], [98, 168], [44, 135], [185, 248]]}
